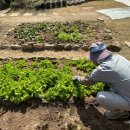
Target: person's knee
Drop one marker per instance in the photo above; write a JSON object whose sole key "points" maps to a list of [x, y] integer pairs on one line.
{"points": [[101, 97]]}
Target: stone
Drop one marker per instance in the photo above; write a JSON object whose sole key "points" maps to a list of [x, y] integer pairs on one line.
{"points": [[38, 47], [5, 36], [108, 36], [115, 47], [18, 25], [53, 5], [14, 14], [28, 14], [127, 122], [49, 47], [4, 47], [107, 30], [79, 1], [69, 3], [68, 47], [32, 58], [82, 1], [2, 58], [48, 5], [9, 33], [75, 2], [56, 14], [31, 43], [127, 43], [100, 19], [64, 3], [75, 47], [58, 4], [40, 58], [15, 47], [59, 47], [85, 47], [27, 47], [5, 11], [11, 30]]}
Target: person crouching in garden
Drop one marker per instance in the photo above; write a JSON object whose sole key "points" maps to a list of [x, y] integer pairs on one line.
{"points": [[114, 70]]}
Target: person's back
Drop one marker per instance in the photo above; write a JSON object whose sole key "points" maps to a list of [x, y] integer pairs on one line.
{"points": [[116, 72]]}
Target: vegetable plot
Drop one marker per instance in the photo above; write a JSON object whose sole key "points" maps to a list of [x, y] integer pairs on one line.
{"points": [[57, 32], [21, 80]]}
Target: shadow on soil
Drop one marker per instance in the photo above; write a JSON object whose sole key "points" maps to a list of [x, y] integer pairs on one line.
{"points": [[89, 115], [8, 106], [93, 119]]}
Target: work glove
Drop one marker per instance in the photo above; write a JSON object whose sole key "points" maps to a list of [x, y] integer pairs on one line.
{"points": [[76, 79]]}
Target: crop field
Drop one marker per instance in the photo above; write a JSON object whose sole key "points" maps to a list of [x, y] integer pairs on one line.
{"points": [[58, 36], [39, 94], [77, 32], [43, 79]]}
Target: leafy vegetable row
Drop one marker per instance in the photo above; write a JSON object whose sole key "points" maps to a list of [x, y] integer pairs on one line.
{"points": [[20, 81]]}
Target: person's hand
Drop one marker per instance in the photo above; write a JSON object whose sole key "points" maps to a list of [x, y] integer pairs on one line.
{"points": [[75, 79]]}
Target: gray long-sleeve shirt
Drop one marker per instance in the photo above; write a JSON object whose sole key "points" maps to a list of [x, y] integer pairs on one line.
{"points": [[115, 71]]}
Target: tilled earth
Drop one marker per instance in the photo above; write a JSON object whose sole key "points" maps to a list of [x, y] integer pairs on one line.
{"points": [[75, 115]]}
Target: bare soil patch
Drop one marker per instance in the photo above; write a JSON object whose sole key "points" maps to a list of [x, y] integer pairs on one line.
{"points": [[80, 115]]}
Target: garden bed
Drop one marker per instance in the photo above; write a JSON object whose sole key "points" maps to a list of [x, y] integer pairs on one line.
{"points": [[58, 35], [48, 80], [38, 94]]}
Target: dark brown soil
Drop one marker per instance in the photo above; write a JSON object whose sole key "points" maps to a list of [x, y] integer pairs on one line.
{"points": [[76, 115]]}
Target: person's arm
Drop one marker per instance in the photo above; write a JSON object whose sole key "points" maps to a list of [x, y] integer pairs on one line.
{"points": [[83, 80], [96, 76]]}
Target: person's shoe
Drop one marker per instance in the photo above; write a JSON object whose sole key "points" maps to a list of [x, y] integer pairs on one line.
{"points": [[117, 115]]}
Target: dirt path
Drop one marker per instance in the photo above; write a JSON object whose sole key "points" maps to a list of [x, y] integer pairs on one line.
{"points": [[50, 54]]}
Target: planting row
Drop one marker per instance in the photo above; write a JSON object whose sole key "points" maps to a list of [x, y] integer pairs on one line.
{"points": [[48, 80], [73, 33]]}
